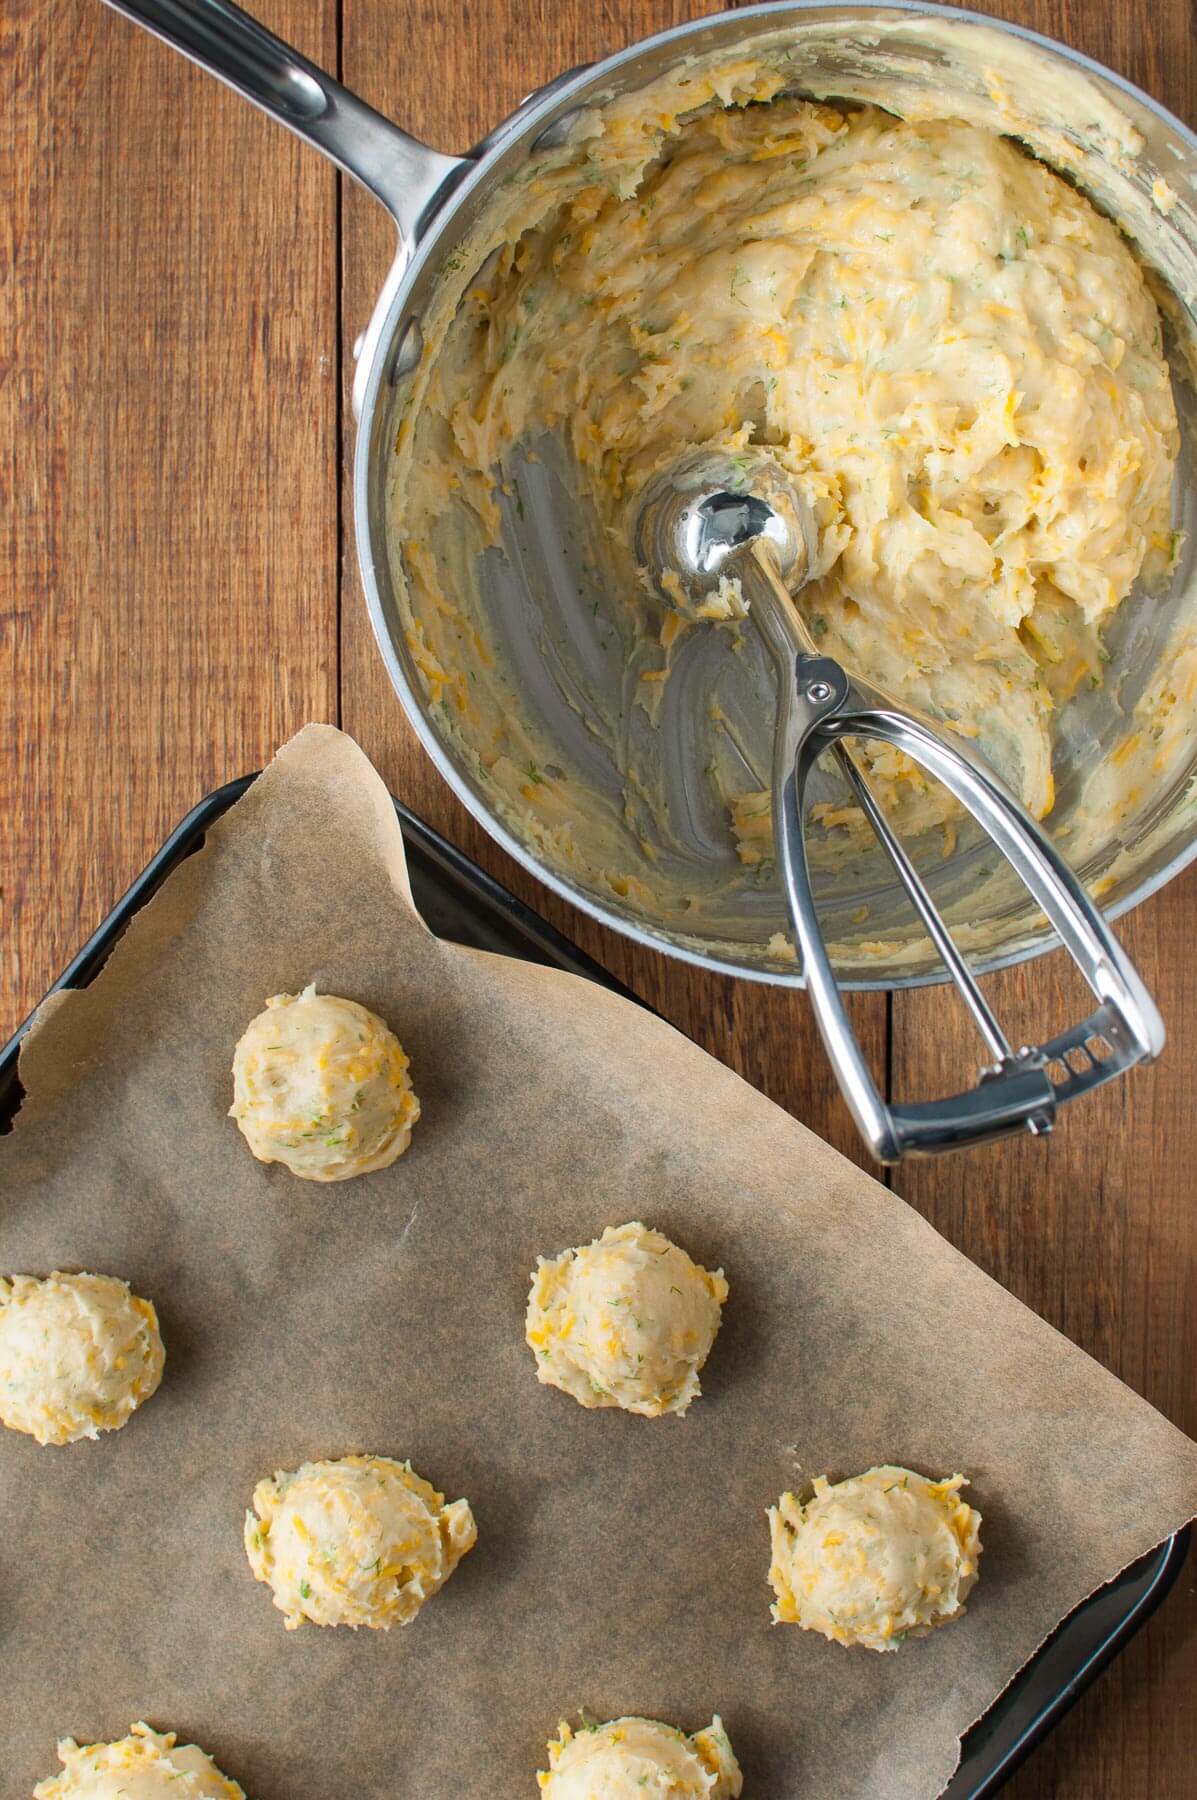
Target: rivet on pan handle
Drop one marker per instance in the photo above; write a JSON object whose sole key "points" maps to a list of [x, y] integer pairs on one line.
{"points": [[1021, 1090]]}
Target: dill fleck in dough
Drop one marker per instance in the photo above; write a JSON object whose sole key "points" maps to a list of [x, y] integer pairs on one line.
{"points": [[951, 353], [143, 1766], [321, 1084], [626, 1321], [78, 1355], [875, 1560], [357, 1541], [628, 1759]]}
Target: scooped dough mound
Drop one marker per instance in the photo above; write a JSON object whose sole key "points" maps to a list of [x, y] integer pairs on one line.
{"points": [[358, 1541], [626, 1321], [885, 1556], [321, 1085], [629, 1759], [143, 1766], [78, 1355]]}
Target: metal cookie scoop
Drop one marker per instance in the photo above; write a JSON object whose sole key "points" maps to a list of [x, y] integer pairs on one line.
{"points": [[716, 521]]}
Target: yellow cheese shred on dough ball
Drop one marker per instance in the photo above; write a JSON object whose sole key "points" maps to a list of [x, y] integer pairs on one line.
{"points": [[641, 1759], [78, 1355], [361, 1540], [876, 1559], [321, 1085], [626, 1321], [146, 1765]]}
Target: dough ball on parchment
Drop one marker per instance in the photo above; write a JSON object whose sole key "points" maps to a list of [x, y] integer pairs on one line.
{"points": [[626, 1321], [78, 1355], [143, 1766], [321, 1084], [629, 1759], [357, 1541], [875, 1560]]}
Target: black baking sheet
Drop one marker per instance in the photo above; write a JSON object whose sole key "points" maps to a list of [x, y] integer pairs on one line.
{"points": [[460, 902]]}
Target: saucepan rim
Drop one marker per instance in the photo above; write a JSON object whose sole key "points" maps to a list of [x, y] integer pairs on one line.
{"points": [[527, 122]]}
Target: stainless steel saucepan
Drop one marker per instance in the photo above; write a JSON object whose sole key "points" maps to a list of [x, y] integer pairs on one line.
{"points": [[1127, 153]]}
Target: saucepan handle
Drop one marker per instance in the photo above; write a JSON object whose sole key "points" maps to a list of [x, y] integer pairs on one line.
{"points": [[403, 173]]}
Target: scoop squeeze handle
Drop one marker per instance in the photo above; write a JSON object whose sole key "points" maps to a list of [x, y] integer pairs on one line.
{"points": [[1020, 1090], [716, 519]]}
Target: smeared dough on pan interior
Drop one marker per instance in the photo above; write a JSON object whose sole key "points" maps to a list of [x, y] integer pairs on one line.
{"points": [[953, 355], [628, 1759], [874, 1560], [321, 1084], [146, 1765], [357, 1541], [78, 1355], [626, 1321]]}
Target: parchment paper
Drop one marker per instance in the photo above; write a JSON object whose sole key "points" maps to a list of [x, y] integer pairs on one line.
{"points": [[621, 1562]]}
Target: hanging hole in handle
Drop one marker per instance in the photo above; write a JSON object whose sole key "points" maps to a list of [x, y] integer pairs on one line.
{"points": [[1099, 1048], [1077, 1060]]}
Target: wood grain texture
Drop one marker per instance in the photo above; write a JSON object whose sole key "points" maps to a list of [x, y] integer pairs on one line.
{"points": [[180, 284], [168, 455]]}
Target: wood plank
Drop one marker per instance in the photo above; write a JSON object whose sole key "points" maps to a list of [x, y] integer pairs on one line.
{"points": [[168, 455], [168, 602], [461, 71], [1101, 1239], [1097, 1230]]}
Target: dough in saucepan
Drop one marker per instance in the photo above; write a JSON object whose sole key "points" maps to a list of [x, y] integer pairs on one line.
{"points": [[321, 1084], [626, 1321], [944, 345], [629, 1759], [357, 1541], [78, 1355], [877, 1559], [146, 1765]]}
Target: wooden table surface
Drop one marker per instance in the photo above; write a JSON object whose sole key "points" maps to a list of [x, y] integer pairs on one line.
{"points": [[181, 283]]}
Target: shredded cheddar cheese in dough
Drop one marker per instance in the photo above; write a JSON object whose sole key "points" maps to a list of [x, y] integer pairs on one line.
{"points": [[78, 1355], [953, 355], [321, 1084], [875, 1560], [627, 1321], [146, 1765], [358, 1541], [631, 1759]]}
